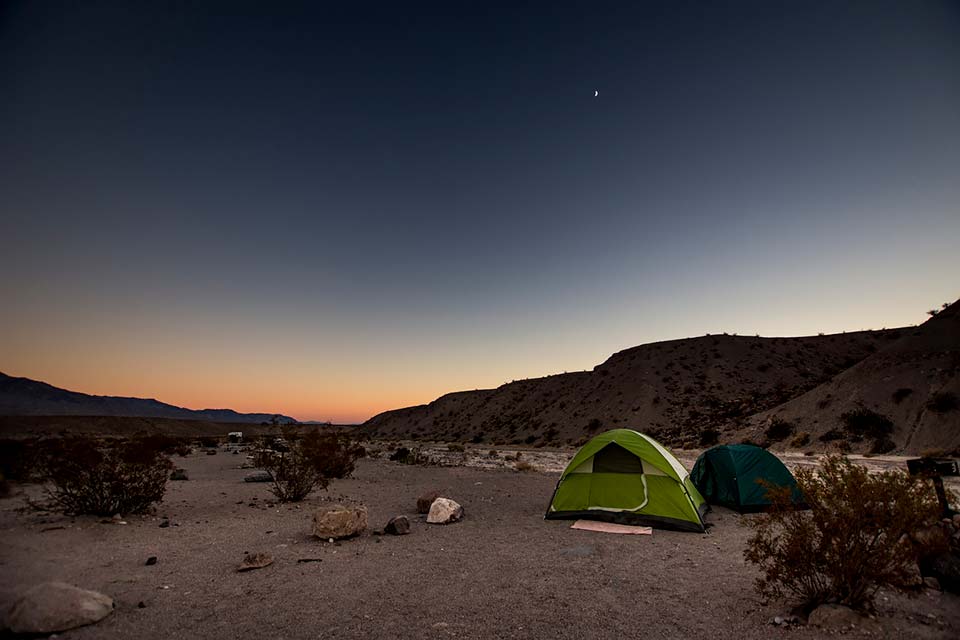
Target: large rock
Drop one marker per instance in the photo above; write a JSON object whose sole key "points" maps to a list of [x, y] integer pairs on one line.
{"points": [[341, 522], [444, 511], [834, 616], [398, 526], [424, 501], [51, 607], [258, 476]]}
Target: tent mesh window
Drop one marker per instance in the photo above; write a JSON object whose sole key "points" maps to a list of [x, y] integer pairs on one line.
{"points": [[615, 459]]}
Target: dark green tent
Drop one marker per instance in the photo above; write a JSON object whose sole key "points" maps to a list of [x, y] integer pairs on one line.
{"points": [[732, 475]]}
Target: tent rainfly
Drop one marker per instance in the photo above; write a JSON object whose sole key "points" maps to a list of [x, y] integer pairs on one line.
{"points": [[737, 476], [628, 477]]}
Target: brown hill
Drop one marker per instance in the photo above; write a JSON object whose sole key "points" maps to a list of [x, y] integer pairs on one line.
{"points": [[687, 391], [906, 396]]}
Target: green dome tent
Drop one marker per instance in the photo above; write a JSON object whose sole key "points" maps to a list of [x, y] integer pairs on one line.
{"points": [[730, 475], [628, 477]]}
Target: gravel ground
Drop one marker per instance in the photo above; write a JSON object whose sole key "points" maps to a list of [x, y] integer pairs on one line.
{"points": [[503, 572]]}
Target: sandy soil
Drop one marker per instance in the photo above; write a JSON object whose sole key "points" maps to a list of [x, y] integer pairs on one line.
{"points": [[503, 572]]}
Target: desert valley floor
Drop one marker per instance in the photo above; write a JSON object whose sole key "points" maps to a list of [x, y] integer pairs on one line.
{"points": [[503, 572]]}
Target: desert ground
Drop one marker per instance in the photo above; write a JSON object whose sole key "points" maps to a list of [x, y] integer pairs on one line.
{"points": [[503, 572]]}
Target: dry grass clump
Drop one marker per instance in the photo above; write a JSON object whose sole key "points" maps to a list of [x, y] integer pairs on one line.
{"points": [[523, 465], [852, 541]]}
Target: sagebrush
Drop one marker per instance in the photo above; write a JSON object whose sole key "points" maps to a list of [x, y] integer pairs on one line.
{"points": [[103, 477], [849, 544], [309, 462]]}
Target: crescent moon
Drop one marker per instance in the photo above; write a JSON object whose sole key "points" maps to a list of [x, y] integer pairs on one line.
{"points": [[596, 93]]}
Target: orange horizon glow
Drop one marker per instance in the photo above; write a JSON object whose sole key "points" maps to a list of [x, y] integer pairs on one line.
{"points": [[350, 390]]}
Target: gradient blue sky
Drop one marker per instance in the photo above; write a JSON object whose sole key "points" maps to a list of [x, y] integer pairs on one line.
{"points": [[332, 211]]}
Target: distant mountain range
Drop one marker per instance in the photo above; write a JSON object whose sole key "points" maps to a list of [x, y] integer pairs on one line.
{"points": [[791, 392], [25, 397]]}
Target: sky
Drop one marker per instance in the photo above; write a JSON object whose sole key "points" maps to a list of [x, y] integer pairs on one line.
{"points": [[330, 211]]}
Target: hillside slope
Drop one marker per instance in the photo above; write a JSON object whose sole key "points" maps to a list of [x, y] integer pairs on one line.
{"points": [[680, 390], [25, 397], [914, 383]]}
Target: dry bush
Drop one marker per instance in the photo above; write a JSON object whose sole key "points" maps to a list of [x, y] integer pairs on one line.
{"points": [[943, 402], [709, 437], [88, 476], [523, 465], [18, 459], [456, 448], [850, 543], [778, 429], [865, 422], [800, 440], [309, 462]]}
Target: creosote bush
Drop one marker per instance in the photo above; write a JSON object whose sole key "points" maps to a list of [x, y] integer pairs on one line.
{"points": [[308, 462], [84, 475], [851, 542], [778, 429]]}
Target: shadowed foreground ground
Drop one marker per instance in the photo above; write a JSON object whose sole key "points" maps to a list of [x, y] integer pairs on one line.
{"points": [[503, 572]]}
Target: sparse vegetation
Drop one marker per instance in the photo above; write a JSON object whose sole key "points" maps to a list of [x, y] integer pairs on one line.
{"points": [[943, 402], [709, 437], [523, 465], [778, 429], [311, 461], [800, 440], [85, 475], [901, 394], [866, 422], [850, 542], [455, 447]]}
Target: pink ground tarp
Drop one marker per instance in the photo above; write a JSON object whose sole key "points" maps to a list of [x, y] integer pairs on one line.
{"points": [[610, 527]]}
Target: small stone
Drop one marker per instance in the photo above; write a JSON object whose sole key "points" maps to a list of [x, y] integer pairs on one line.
{"points": [[179, 474], [931, 583], [444, 511], [777, 620], [398, 526], [255, 561], [141, 605], [164, 524], [258, 476], [152, 560]]}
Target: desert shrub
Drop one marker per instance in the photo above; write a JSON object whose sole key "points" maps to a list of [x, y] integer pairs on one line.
{"points": [[477, 439], [800, 440], [831, 435], [404, 455], [901, 394], [523, 465], [87, 476], [492, 453], [866, 422], [943, 402], [882, 445], [778, 429], [169, 445], [456, 448], [709, 437], [312, 461], [17, 459], [209, 442], [849, 544], [530, 439]]}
